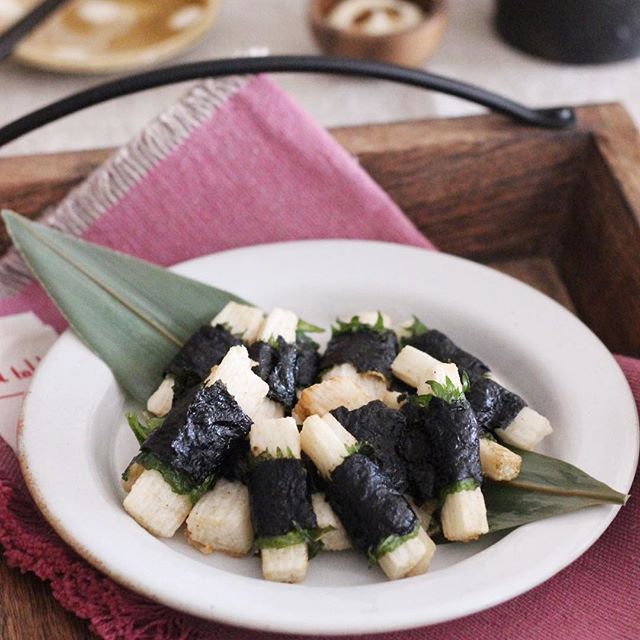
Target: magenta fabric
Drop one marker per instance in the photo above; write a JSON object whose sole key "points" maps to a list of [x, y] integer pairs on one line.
{"points": [[259, 171]]}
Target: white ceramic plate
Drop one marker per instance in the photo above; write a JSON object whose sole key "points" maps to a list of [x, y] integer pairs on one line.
{"points": [[74, 442]]}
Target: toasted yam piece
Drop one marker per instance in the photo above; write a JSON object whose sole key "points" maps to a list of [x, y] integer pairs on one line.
{"points": [[372, 382], [279, 322], [268, 409], [393, 399], [328, 395], [336, 539], [526, 431], [424, 511], [464, 515], [134, 471], [248, 389], [498, 462], [288, 564], [221, 520], [242, 320], [326, 442], [275, 435], [153, 504], [370, 318], [423, 564], [416, 367], [411, 558], [160, 401]]}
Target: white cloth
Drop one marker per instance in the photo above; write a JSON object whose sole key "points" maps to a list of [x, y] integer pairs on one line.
{"points": [[470, 51]]}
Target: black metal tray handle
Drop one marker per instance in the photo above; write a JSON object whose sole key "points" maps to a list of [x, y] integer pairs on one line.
{"points": [[555, 118]]}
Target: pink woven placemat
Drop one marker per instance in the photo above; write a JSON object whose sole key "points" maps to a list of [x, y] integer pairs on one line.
{"points": [[237, 163]]}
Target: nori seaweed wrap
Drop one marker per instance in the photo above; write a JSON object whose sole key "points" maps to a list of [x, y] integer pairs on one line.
{"points": [[280, 499], [416, 454], [278, 367], [439, 346], [495, 407], [199, 433], [308, 361], [203, 350], [381, 430], [452, 437], [367, 348], [368, 505]]}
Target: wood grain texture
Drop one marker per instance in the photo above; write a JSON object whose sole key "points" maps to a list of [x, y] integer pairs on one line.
{"points": [[28, 611]]}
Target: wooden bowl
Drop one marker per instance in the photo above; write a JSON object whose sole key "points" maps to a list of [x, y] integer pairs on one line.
{"points": [[411, 47]]}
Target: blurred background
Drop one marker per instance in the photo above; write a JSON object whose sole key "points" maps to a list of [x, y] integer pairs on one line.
{"points": [[466, 45]]}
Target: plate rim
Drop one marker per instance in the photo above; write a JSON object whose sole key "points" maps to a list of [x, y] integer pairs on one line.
{"points": [[394, 623]]}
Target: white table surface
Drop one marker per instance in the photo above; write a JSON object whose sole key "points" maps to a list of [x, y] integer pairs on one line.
{"points": [[470, 51]]}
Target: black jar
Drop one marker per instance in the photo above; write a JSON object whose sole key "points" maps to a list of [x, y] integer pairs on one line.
{"points": [[572, 31]]}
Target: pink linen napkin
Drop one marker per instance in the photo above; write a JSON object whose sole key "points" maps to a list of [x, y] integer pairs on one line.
{"points": [[237, 163]]}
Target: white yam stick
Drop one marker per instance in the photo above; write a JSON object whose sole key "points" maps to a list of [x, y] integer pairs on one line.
{"points": [[153, 504], [336, 539], [411, 558], [328, 395], [221, 520], [416, 367], [241, 319], [235, 371], [280, 322], [498, 462], [464, 515], [526, 431], [161, 400], [326, 442]]}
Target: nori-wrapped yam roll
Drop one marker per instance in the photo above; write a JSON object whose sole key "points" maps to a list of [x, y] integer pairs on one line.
{"points": [[452, 436], [280, 498], [375, 515], [367, 348], [495, 407], [196, 442], [382, 431], [284, 521], [368, 505], [442, 348], [499, 410], [203, 350]]}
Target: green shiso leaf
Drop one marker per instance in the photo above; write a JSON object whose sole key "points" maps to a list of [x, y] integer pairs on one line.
{"points": [[463, 485], [133, 314], [311, 536], [307, 327], [354, 325], [279, 455], [389, 544], [180, 482], [449, 392], [417, 328], [142, 427]]}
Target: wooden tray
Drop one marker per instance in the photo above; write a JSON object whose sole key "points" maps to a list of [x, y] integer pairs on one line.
{"points": [[557, 209]]}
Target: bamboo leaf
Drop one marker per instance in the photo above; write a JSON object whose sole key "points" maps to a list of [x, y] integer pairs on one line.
{"points": [[545, 487], [131, 313]]}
